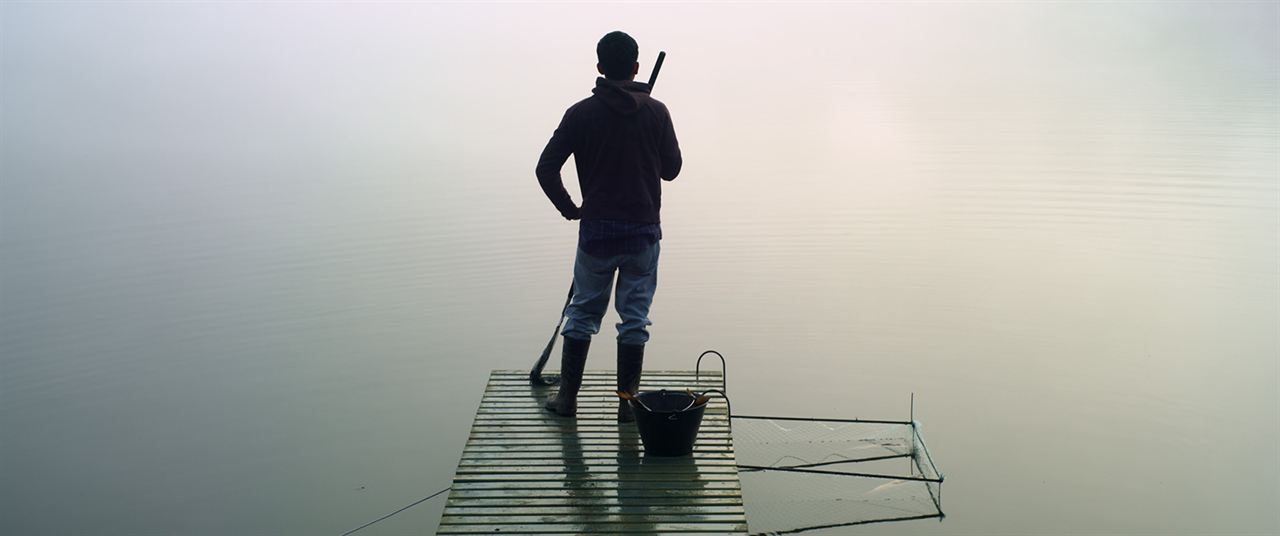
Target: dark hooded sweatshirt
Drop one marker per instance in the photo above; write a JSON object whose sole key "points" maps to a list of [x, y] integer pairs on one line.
{"points": [[622, 143]]}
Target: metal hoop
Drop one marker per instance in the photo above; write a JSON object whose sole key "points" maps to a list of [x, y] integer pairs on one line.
{"points": [[728, 406], [724, 371]]}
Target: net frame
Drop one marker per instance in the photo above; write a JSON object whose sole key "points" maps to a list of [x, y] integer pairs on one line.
{"points": [[921, 468]]}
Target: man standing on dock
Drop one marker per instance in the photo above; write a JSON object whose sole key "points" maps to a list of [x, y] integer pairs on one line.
{"points": [[622, 142]]}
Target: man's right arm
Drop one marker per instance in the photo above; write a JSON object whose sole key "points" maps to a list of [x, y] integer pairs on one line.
{"points": [[670, 151], [553, 158]]}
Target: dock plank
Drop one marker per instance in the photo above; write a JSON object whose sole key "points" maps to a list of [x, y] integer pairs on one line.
{"points": [[527, 471]]}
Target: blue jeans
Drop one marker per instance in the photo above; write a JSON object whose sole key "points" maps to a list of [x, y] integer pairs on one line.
{"points": [[592, 279]]}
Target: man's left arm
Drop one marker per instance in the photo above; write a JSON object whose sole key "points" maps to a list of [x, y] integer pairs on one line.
{"points": [[552, 160]]}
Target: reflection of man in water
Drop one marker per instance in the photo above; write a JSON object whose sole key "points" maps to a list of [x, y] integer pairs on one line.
{"points": [[622, 143]]}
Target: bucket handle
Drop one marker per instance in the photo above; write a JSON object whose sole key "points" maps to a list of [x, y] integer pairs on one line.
{"points": [[724, 372]]}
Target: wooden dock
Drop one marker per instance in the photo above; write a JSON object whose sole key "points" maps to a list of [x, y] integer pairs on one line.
{"points": [[527, 471]]}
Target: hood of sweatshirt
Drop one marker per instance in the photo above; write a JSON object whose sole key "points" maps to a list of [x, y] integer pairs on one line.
{"points": [[622, 96]]}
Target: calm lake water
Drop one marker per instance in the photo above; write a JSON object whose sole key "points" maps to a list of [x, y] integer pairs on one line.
{"points": [[257, 261]]}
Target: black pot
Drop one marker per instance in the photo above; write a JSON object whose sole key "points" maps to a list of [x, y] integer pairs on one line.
{"points": [[670, 425]]}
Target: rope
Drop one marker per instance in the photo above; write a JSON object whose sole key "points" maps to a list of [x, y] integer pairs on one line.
{"points": [[415, 503]]}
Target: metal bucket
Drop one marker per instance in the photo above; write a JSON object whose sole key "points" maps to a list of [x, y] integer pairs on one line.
{"points": [[669, 425]]}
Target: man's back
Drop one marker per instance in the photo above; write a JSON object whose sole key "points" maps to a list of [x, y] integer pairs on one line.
{"points": [[622, 141]]}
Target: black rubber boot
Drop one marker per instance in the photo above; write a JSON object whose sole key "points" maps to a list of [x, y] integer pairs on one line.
{"points": [[572, 360], [630, 363]]}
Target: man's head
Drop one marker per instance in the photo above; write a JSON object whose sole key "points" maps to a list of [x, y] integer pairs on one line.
{"points": [[617, 54]]}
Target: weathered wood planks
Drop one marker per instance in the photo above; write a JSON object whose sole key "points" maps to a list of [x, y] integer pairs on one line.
{"points": [[527, 471]]}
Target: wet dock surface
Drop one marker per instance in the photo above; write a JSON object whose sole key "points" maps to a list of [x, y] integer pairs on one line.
{"points": [[527, 471]]}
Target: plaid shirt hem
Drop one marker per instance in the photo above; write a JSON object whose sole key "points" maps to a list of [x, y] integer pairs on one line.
{"points": [[606, 238]]}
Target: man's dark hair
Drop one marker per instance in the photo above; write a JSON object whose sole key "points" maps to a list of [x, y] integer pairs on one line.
{"points": [[617, 53]]}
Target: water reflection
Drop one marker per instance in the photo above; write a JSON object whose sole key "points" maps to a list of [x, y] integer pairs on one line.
{"points": [[578, 476], [635, 496], [630, 489]]}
